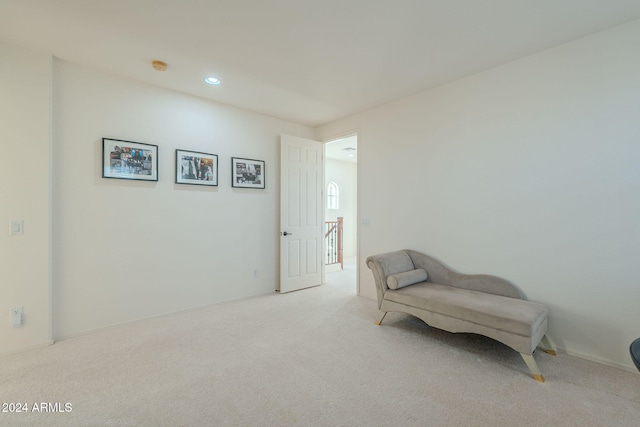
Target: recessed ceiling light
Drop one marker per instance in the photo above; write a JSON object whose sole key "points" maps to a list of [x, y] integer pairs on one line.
{"points": [[212, 80]]}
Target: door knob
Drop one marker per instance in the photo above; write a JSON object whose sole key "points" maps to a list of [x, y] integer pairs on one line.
{"points": [[287, 234]]}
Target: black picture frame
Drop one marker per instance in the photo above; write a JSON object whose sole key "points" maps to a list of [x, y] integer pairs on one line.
{"points": [[129, 160], [248, 173], [196, 168]]}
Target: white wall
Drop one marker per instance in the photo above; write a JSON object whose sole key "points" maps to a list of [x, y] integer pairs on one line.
{"points": [[528, 171], [25, 110], [125, 250], [343, 174]]}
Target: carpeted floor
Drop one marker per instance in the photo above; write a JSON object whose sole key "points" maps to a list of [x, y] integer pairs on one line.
{"points": [[344, 279], [308, 358]]}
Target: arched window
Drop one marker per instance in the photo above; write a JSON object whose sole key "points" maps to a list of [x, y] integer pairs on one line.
{"points": [[332, 196]]}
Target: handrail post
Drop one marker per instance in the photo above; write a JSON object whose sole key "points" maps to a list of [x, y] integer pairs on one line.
{"points": [[334, 242], [340, 228]]}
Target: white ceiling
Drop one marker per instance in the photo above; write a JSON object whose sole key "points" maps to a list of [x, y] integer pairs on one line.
{"points": [[344, 149], [308, 61]]}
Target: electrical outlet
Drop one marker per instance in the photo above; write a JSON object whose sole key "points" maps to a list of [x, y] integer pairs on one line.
{"points": [[16, 316]]}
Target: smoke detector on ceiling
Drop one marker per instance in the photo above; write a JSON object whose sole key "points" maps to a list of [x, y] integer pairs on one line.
{"points": [[350, 151]]}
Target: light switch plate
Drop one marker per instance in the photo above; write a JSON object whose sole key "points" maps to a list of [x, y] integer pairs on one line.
{"points": [[17, 227], [16, 316]]}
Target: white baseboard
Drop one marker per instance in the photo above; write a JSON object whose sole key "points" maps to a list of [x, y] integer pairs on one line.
{"points": [[155, 316], [25, 349], [630, 367]]}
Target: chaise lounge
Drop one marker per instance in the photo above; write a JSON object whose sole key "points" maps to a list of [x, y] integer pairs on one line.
{"points": [[414, 283]]}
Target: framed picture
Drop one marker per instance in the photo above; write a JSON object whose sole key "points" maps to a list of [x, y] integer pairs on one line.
{"points": [[196, 168], [247, 173], [129, 160]]}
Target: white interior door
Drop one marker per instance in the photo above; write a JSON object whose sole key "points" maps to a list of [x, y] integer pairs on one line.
{"points": [[301, 233]]}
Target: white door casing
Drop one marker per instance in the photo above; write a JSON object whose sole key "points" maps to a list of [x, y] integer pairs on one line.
{"points": [[301, 213]]}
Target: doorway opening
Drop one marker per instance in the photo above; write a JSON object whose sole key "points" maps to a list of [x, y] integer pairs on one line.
{"points": [[340, 203]]}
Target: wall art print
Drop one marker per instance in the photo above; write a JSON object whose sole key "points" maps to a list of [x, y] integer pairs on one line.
{"points": [[129, 160], [196, 168], [247, 173]]}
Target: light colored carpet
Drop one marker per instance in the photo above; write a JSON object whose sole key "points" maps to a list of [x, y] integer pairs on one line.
{"points": [[344, 279], [308, 358]]}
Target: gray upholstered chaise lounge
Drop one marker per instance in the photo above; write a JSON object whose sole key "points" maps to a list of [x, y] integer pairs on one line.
{"points": [[411, 282]]}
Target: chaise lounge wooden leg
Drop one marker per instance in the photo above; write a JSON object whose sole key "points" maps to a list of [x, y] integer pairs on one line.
{"points": [[549, 347], [382, 314], [533, 367]]}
